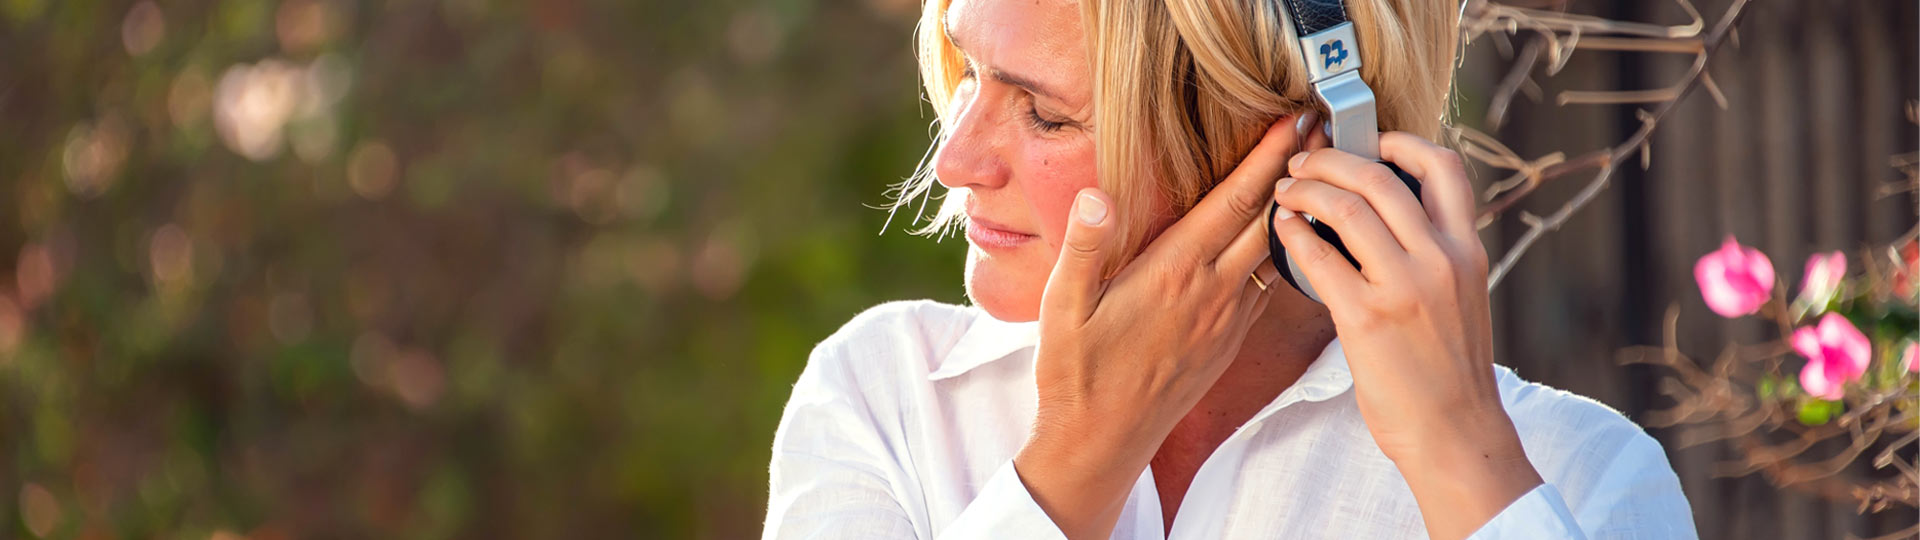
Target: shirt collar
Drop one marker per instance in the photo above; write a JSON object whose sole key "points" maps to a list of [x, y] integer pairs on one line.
{"points": [[1326, 378], [987, 339]]}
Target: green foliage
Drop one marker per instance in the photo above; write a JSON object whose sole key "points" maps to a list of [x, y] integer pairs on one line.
{"points": [[1816, 411], [433, 268]]}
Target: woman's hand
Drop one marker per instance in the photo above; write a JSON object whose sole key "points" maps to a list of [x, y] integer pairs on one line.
{"points": [[1413, 321], [1120, 361]]}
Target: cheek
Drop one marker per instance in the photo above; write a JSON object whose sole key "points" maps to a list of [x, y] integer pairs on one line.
{"points": [[1059, 174], [1058, 177]]}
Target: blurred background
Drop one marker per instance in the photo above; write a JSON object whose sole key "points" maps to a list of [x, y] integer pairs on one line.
{"points": [[476, 268]]}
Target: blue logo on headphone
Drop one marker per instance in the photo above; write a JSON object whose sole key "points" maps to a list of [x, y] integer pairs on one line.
{"points": [[1333, 52]]}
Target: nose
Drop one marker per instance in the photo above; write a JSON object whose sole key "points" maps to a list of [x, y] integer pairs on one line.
{"points": [[971, 155]]}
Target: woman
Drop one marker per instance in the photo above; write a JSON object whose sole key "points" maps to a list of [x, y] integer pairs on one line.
{"points": [[1126, 370]]}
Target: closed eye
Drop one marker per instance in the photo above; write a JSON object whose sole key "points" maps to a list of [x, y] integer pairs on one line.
{"points": [[1034, 120]]}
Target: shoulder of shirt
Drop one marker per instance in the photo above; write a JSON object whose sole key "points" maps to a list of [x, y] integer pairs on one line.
{"points": [[896, 336], [1590, 452], [1547, 415]]}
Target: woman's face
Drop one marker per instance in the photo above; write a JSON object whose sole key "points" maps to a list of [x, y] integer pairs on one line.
{"points": [[1020, 143]]}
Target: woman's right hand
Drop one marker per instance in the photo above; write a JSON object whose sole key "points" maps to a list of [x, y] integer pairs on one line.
{"points": [[1120, 361]]}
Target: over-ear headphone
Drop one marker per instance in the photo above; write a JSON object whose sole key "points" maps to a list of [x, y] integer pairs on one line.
{"points": [[1331, 50]]}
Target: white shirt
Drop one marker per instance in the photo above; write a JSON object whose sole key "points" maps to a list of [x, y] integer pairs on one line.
{"points": [[905, 422]]}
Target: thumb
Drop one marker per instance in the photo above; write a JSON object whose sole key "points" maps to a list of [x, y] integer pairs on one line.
{"points": [[1078, 276]]}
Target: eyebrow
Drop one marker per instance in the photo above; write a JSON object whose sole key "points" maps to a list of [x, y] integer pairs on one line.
{"points": [[1024, 83]]}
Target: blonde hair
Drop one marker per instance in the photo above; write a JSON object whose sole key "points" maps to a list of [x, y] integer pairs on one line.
{"points": [[1183, 89]]}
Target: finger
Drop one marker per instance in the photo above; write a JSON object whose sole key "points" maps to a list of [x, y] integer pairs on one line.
{"points": [[1328, 272], [1077, 282], [1316, 138], [1210, 226], [1264, 269], [1253, 299], [1382, 189], [1350, 215], [1443, 181], [1248, 250], [1307, 124]]}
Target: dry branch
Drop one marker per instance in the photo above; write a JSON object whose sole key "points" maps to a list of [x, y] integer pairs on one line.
{"points": [[1560, 34]]}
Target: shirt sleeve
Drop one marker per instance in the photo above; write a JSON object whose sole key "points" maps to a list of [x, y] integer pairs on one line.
{"points": [[1636, 496], [1004, 509], [1541, 513], [837, 474], [832, 475]]}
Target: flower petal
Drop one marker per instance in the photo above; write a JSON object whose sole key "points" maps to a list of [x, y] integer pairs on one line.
{"points": [[1806, 341], [1818, 382]]}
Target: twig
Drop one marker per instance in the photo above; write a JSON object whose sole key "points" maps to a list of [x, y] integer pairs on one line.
{"points": [[1714, 404], [1617, 153]]}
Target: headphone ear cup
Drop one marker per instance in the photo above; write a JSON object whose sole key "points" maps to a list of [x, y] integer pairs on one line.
{"points": [[1290, 271]]}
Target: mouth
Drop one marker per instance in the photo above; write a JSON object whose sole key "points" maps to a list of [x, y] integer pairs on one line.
{"points": [[988, 234]]}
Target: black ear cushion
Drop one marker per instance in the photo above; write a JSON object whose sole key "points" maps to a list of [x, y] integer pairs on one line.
{"points": [[1325, 231]]}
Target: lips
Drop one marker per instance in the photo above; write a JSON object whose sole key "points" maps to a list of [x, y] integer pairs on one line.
{"points": [[988, 234]]}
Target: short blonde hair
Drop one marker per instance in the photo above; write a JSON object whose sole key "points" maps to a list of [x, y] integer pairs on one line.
{"points": [[1183, 89]]}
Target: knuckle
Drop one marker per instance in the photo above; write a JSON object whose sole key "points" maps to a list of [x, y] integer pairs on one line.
{"points": [[1347, 206], [1467, 256], [1447, 157], [1322, 254], [1083, 248], [1181, 260], [1427, 246], [1245, 203], [1477, 259], [1378, 180], [1172, 277]]}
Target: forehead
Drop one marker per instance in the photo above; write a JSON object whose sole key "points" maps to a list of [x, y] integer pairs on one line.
{"points": [[1040, 39]]}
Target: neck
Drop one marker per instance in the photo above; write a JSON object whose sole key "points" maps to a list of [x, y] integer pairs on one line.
{"points": [[1277, 350], [1279, 346]]}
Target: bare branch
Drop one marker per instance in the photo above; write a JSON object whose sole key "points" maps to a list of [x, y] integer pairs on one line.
{"points": [[1618, 152]]}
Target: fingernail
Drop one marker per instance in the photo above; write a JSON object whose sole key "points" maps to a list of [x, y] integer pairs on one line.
{"points": [[1282, 185], [1091, 210], [1282, 214], [1294, 163], [1327, 129], [1306, 123]]}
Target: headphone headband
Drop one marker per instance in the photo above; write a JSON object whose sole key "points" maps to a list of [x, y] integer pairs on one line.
{"points": [[1331, 50], [1312, 16]]}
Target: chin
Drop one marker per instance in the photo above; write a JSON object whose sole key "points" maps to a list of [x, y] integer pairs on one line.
{"points": [[1008, 294]]}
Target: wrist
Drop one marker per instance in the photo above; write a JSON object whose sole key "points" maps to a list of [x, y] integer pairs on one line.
{"points": [[1080, 470], [1464, 475], [1097, 434]]}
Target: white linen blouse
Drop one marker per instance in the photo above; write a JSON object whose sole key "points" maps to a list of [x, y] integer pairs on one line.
{"points": [[905, 422]]}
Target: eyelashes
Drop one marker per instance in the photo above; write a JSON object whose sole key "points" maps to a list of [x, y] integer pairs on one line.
{"points": [[1034, 120], [1041, 124]]}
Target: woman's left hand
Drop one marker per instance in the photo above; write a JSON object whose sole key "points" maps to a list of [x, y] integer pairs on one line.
{"points": [[1413, 321]]}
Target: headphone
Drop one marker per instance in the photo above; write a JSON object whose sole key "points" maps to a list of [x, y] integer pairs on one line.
{"points": [[1331, 50]]}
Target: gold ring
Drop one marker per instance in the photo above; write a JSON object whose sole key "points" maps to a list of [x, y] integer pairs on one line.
{"points": [[1257, 281]]}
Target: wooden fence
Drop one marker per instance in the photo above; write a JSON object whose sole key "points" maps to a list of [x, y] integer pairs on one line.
{"points": [[1817, 97]]}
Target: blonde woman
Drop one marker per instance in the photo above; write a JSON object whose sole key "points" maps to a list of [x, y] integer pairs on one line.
{"points": [[1126, 371]]}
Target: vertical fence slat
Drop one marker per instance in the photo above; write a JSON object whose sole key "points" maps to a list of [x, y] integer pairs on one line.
{"points": [[1816, 107]]}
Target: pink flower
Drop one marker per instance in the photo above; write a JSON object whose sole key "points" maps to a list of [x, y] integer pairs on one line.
{"points": [[1824, 271], [1906, 269], [1837, 353], [1735, 280]]}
